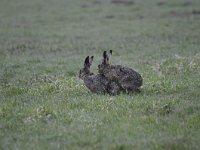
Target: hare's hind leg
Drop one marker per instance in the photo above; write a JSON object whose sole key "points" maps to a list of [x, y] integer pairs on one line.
{"points": [[131, 91]]}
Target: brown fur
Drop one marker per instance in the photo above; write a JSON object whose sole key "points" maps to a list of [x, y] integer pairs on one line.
{"points": [[97, 83], [127, 78]]}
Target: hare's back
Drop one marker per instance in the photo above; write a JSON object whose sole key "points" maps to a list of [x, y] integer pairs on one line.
{"points": [[131, 76]]}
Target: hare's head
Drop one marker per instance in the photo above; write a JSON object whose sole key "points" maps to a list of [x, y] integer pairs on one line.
{"points": [[86, 69], [105, 61]]}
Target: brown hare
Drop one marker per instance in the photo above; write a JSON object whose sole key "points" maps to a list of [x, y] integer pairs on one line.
{"points": [[128, 79], [97, 83]]}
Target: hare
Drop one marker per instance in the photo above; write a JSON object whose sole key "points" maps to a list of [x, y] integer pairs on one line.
{"points": [[97, 83], [127, 78]]}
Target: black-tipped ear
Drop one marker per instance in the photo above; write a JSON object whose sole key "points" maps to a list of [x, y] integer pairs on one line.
{"points": [[104, 54], [111, 52], [87, 61], [91, 59]]}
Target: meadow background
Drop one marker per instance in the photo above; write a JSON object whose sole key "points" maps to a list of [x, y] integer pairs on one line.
{"points": [[43, 103]]}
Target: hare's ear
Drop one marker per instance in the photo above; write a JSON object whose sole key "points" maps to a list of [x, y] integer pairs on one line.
{"points": [[110, 54], [111, 51], [105, 58], [91, 60], [104, 55], [87, 61]]}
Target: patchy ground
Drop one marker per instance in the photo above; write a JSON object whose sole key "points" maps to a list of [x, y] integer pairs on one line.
{"points": [[43, 104]]}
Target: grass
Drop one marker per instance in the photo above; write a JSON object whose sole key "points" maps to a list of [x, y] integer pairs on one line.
{"points": [[43, 104]]}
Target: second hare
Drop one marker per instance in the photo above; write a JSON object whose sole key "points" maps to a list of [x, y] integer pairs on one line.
{"points": [[127, 78]]}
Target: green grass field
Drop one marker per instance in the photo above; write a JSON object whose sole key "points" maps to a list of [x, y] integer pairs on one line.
{"points": [[43, 103]]}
